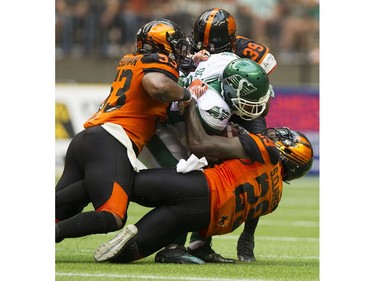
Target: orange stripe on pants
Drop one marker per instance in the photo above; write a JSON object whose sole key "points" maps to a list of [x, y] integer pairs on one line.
{"points": [[117, 203]]}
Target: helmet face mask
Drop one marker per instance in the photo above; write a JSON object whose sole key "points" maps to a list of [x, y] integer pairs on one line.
{"points": [[295, 151], [215, 31], [179, 46], [246, 109], [246, 88]]}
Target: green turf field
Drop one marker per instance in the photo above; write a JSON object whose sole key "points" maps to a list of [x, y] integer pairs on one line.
{"points": [[286, 248]]}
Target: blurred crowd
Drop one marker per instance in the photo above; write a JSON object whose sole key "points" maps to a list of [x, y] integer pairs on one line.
{"points": [[107, 28]]}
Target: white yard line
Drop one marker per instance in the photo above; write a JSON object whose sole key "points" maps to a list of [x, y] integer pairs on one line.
{"points": [[152, 277]]}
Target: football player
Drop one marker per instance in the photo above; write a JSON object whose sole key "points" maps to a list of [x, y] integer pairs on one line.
{"points": [[103, 155], [208, 201], [214, 31], [235, 86]]}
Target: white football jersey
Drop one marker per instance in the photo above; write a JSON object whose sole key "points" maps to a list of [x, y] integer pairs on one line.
{"points": [[213, 111], [212, 108], [211, 69]]}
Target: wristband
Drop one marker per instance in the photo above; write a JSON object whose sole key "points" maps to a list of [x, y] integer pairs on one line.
{"points": [[187, 95]]}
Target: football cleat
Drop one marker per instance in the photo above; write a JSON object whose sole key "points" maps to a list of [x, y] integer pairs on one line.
{"points": [[108, 251], [245, 247], [207, 254], [177, 255]]}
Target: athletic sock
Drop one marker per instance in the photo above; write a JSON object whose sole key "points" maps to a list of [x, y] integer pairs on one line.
{"points": [[250, 226]]}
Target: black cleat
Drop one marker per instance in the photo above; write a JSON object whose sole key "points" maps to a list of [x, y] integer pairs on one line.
{"points": [[245, 247], [177, 255], [207, 254]]}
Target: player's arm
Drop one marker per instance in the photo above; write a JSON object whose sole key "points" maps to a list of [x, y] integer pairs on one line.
{"points": [[164, 89], [247, 48], [202, 144]]}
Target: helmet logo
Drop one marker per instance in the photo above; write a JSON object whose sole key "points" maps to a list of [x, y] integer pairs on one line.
{"points": [[248, 90]]}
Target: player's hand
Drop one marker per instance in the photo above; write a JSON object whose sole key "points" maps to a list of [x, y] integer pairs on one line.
{"points": [[202, 55], [181, 106], [197, 88]]}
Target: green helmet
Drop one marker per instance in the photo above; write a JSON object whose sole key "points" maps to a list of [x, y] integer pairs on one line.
{"points": [[246, 88]]}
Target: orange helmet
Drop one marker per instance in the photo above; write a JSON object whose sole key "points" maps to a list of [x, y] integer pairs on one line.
{"points": [[295, 151], [163, 36], [215, 31]]}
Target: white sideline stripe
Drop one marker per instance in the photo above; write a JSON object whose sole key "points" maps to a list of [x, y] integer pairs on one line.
{"points": [[153, 277]]}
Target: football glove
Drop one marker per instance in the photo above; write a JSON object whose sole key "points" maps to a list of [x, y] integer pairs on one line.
{"points": [[197, 88]]}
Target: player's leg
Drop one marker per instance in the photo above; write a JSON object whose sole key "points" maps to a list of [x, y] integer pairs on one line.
{"points": [[164, 150], [70, 201], [246, 244], [202, 248], [73, 172], [181, 204], [108, 181]]}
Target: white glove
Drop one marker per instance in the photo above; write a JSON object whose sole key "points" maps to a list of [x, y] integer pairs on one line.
{"points": [[268, 63], [197, 88], [192, 164]]}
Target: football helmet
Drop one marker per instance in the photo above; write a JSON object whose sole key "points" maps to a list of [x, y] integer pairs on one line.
{"points": [[295, 149], [215, 31], [246, 88], [163, 36]]}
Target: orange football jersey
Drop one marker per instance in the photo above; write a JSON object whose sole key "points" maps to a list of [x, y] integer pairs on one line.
{"points": [[246, 48], [128, 104], [242, 188]]}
